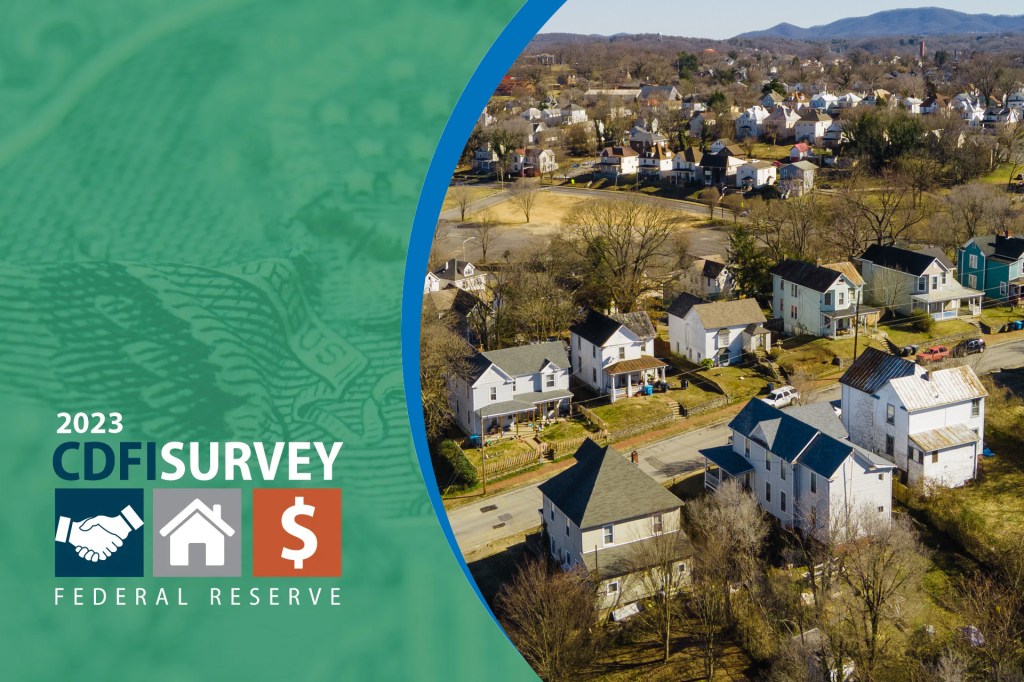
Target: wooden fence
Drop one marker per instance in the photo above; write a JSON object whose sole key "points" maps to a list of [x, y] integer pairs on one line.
{"points": [[504, 464], [562, 448], [589, 415]]}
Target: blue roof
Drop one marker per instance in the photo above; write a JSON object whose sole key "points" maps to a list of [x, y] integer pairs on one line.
{"points": [[793, 440], [729, 461]]}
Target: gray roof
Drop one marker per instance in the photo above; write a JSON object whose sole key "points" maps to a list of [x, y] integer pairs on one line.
{"points": [[521, 360], [605, 487], [729, 313], [727, 460], [620, 560], [816, 277], [873, 368], [821, 416]]}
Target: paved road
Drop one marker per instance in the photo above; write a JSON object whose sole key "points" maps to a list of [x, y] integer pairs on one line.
{"points": [[493, 518]]}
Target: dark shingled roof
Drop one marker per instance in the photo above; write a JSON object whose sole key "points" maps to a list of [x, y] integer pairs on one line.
{"points": [[816, 277], [873, 369], [895, 258], [521, 360], [1001, 246], [604, 487], [683, 303], [597, 327], [712, 268], [792, 439]]}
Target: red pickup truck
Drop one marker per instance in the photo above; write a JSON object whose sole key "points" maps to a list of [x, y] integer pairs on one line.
{"points": [[933, 354]]}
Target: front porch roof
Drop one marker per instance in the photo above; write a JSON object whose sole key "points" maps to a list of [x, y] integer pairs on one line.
{"points": [[727, 460], [523, 402], [850, 312], [951, 291], [537, 397], [636, 365], [944, 437]]}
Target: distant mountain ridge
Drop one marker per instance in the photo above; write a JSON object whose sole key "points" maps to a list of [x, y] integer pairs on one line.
{"points": [[924, 21]]}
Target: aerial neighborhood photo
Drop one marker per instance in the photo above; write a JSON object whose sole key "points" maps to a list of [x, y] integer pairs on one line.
{"points": [[722, 353]]}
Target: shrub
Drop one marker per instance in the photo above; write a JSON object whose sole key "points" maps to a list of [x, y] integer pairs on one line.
{"points": [[452, 465], [922, 322], [774, 354], [707, 363]]}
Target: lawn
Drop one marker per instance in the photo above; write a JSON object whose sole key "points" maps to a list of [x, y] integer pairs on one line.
{"points": [[814, 355], [507, 446], [691, 396], [564, 431], [738, 382], [903, 335], [627, 412], [475, 194], [996, 316]]}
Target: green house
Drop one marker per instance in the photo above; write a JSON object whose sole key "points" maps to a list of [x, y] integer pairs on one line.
{"points": [[993, 264]]}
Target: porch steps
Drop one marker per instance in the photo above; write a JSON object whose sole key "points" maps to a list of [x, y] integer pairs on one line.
{"points": [[675, 407]]}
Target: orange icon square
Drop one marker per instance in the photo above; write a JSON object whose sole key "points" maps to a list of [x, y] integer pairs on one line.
{"points": [[296, 532]]}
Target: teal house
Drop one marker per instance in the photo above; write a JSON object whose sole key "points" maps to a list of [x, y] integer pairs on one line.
{"points": [[993, 264]]}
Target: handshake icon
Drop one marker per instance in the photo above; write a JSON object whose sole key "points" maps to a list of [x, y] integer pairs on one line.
{"points": [[98, 537]]}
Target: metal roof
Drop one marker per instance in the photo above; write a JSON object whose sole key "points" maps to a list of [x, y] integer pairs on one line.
{"points": [[938, 388], [727, 460], [874, 368], [944, 437], [635, 365]]}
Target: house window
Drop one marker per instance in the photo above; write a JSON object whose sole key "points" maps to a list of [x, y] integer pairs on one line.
{"points": [[881, 509], [976, 407], [513, 385], [890, 414], [881, 477], [922, 283], [1003, 289], [890, 445], [494, 393], [943, 278], [828, 298], [767, 491], [549, 381], [722, 340], [972, 281], [746, 447], [814, 482], [567, 529], [840, 298], [782, 285], [782, 470], [593, 351], [935, 282], [792, 311], [767, 461], [579, 344], [793, 290], [657, 523], [552, 513], [935, 457], [593, 374], [972, 260], [613, 587], [782, 500], [643, 347], [609, 534]]}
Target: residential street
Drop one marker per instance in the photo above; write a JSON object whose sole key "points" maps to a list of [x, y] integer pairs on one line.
{"points": [[516, 511]]}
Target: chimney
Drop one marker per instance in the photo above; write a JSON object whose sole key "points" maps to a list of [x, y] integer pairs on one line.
{"points": [[927, 376], [216, 510]]}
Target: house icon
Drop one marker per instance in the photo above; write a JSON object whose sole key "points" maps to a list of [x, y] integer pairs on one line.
{"points": [[197, 524]]}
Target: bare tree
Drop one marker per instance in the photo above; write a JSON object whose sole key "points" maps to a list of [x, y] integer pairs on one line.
{"points": [[551, 617], [625, 242], [734, 204], [888, 211], [879, 568], [462, 197], [976, 209], [442, 355], [654, 566], [707, 606], [485, 231], [710, 196], [524, 196], [889, 288], [995, 610]]}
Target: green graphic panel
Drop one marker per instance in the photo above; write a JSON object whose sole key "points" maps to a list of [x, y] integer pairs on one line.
{"points": [[205, 213]]}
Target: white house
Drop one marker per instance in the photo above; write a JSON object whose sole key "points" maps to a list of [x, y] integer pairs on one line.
{"points": [[756, 174], [823, 101], [820, 300], [719, 145], [599, 514], [431, 283], [686, 168], [812, 126], [797, 179], [781, 123], [912, 104], [197, 524], [617, 161], [835, 134], [506, 387], [997, 117], [709, 276], [722, 331], [1015, 100], [485, 159], [461, 274], [573, 113], [533, 161], [750, 123], [613, 354], [532, 114], [907, 280], [656, 162], [930, 424], [802, 468]]}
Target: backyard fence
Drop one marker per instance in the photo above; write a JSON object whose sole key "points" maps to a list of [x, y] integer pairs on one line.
{"points": [[504, 464], [589, 415], [561, 448]]}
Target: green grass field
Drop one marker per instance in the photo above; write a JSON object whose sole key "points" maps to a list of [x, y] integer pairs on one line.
{"points": [[627, 412]]}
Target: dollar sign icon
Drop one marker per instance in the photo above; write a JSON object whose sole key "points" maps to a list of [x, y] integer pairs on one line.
{"points": [[308, 537]]}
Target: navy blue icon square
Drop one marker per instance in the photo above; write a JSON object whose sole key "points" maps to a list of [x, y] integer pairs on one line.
{"points": [[99, 533]]}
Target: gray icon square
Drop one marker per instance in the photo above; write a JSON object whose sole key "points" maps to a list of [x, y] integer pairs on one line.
{"points": [[197, 532]]}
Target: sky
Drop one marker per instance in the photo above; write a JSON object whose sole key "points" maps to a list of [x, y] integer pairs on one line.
{"points": [[724, 20]]}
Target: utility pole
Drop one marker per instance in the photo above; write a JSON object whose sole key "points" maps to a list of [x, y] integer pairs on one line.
{"points": [[856, 324], [483, 457]]}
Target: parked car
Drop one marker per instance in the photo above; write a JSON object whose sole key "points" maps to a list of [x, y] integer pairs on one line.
{"points": [[933, 354], [782, 396], [969, 347]]}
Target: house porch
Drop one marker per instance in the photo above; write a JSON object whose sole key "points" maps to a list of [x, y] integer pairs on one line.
{"points": [[626, 378]]}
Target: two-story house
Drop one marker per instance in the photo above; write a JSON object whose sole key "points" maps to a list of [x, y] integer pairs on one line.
{"points": [[906, 281], [461, 274], [573, 113], [797, 179], [930, 424], [993, 264], [802, 469], [485, 159], [506, 387], [617, 161], [686, 168], [750, 123], [781, 123], [656, 162], [812, 126], [533, 161], [709, 277], [755, 174], [723, 330], [821, 300], [599, 513], [614, 354]]}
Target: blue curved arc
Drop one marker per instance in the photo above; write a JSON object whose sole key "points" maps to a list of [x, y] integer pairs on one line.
{"points": [[524, 25]]}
